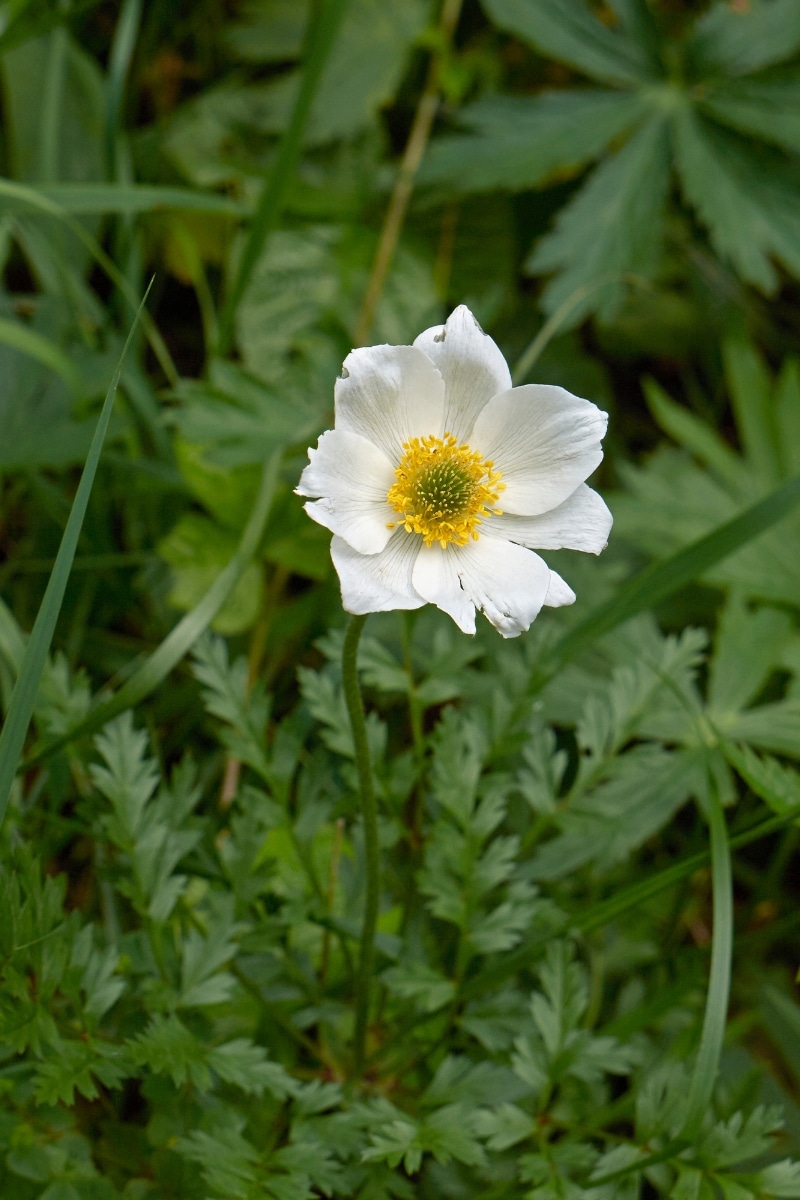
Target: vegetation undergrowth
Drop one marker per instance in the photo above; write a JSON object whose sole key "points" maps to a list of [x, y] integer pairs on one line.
{"points": [[576, 974]]}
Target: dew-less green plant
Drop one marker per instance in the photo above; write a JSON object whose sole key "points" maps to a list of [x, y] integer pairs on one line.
{"points": [[581, 982], [711, 104]]}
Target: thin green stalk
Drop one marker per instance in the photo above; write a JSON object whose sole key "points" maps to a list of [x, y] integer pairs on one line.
{"points": [[179, 642], [122, 48], [322, 29], [706, 1067], [369, 811], [52, 105], [554, 322], [38, 200], [23, 697], [708, 1055]]}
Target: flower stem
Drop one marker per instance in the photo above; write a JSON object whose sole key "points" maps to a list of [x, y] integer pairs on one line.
{"points": [[369, 812]]}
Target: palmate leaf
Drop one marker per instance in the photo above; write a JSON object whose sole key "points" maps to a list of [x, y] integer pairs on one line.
{"points": [[567, 30], [676, 501], [611, 227], [748, 201], [515, 142], [742, 190], [768, 108], [738, 39], [748, 647]]}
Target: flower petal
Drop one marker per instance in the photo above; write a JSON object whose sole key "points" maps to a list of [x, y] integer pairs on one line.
{"points": [[544, 440], [581, 522], [506, 581], [472, 366], [559, 592], [378, 582], [390, 394], [351, 476]]}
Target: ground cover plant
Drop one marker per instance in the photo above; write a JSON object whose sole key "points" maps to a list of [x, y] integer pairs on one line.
{"points": [[300, 902]]}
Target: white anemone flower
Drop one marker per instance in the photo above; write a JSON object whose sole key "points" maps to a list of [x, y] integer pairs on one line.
{"points": [[440, 480]]}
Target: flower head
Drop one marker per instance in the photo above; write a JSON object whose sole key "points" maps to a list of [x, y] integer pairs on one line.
{"points": [[440, 478]]}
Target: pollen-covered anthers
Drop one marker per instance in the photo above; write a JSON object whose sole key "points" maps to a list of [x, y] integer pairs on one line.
{"points": [[444, 490]]}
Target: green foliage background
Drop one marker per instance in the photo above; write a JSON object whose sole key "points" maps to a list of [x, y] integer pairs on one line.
{"points": [[587, 940]]}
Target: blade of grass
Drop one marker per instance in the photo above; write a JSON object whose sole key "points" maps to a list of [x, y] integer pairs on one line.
{"points": [[704, 1075], [321, 33], [122, 48], [15, 727], [177, 644], [95, 199], [660, 580], [552, 326], [39, 202], [52, 105], [706, 1066], [595, 917], [28, 341]]}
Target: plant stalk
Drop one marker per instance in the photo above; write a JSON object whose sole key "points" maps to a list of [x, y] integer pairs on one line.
{"points": [[369, 812]]}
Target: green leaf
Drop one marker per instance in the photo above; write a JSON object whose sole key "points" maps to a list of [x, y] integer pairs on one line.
{"points": [[202, 981], [778, 1179], [156, 668], [69, 144], [736, 39], [773, 727], [694, 434], [643, 790], [781, 1022], [23, 699], [706, 1065], [78, 1067], [361, 75], [568, 31], [94, 199], [128, 780], [290, 287], [420, 983], [504, 1126], [459, 751], [228, 696], [27, 341], [750, 387], [266, 36], [739, 1139], [787, 416], [228, 1161], [767, 108], [611, 228], [660, 580], [234, 419], [559, 1006], [323, 27], [514, 143], [101, 989], [245, 1065], [167, 1047], [748, 646], [197, 550], [747, 200], [777, 785]]}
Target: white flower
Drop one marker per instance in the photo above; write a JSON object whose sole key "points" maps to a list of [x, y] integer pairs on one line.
{"points": [[439, 477]]}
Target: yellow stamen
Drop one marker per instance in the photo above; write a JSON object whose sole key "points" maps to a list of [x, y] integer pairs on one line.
{"points": [[444, 490]]}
